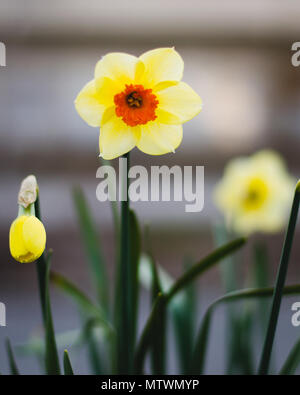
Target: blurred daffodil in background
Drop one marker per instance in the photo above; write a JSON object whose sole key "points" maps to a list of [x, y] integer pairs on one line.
{"points": [[255, 193], [27, 235], [138, 101]]}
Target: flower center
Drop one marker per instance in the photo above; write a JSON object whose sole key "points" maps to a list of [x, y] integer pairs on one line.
{"points": [[136, 105], [255, 195], [134, 99]]}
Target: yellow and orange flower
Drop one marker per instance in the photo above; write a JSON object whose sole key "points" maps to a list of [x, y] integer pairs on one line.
{"points": [[138, 102]]}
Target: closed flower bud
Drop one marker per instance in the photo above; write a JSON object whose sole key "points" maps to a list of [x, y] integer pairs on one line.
{"points": [[27, 238]]}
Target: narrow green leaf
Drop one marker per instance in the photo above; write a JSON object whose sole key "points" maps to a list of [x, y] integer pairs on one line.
{"points": [[93, 249], [228, 269], [135, 253], [185, 280], [158, 343], [94, 356], [36, 345], [280, 281], [204, 265], [145, 274], [293, 361], [11, 358], [261, 279], [114, 205], [101, 346], [68, 370], [82, 301], [184, 313], [88, 308], [146, 337], [199, 354], [229, 278]]}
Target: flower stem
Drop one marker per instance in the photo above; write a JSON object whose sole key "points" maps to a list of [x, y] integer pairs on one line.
{"points": [[43, 269], [124, 325], [280, 280]]}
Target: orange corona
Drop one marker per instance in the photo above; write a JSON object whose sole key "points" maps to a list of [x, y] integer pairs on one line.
{"points": [[136, 105]]}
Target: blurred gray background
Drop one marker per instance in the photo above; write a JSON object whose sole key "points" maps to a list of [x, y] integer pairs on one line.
{"points": [[237, 57]]}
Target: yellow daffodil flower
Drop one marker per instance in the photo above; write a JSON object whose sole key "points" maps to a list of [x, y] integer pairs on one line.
{"points": [[27, 238], [255, 193], [138, 102]]}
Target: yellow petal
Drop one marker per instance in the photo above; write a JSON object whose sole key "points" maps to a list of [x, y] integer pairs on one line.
{"points": [[163, 85], [117, 66], [107, 89], [167, 117], [34, 236], [88, 105], [158, 139], [180, 100], [27, 239], [16, 243], [108, 114], [117, 138], [162, 64]]}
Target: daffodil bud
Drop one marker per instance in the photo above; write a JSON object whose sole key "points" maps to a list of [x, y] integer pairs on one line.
{"points": [[28, 191], [27, 235], [27, 238]]}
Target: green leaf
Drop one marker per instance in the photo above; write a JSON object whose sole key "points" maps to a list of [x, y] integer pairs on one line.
{"points": [[293, 360], [184, 313], [68, 370], [93, 249], [158, 343], [82, 301], [99, 341], [260, 279], [145, 274], [205, 264], [233, 320], [36, 345], [228, 269], [114, 206], [12, 362], [185, 280], [135, 253], [88, 308], [280, 281], [146, 337], [199, 354]]}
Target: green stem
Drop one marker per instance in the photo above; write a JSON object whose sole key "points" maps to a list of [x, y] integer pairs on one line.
{"points": [[124, 325], [280, 280], [41, 269], [12, 362]]}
